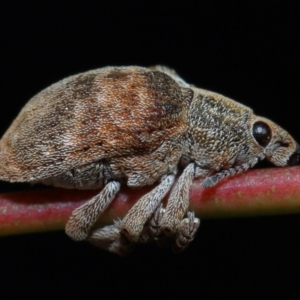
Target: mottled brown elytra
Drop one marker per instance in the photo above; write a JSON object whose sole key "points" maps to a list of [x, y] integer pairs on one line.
{"points": [[134, 126]]}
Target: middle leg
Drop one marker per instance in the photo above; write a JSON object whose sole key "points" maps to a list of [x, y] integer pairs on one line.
{"points": [[172, 223], [120, 237]]}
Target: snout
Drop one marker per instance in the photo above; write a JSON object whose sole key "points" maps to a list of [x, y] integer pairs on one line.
{"points": [[295, 157]]}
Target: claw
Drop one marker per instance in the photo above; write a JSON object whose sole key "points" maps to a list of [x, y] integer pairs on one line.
{"points": [[155, 228], [186, 233]]}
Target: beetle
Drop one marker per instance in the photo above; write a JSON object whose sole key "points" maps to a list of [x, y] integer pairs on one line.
{"points": [[135, 126]]}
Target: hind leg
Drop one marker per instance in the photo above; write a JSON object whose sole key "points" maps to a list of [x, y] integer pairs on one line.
{"points": [[84, 217], [109, 238]]}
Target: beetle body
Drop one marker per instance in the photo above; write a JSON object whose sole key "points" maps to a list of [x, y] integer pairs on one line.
{"points": [[135, 125]]}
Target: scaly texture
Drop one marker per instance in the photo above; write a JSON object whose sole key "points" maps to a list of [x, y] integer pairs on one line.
{"points": [[136, 125]]}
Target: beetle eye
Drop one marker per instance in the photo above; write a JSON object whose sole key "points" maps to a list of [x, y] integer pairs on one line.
{"points": [[262, 133]]}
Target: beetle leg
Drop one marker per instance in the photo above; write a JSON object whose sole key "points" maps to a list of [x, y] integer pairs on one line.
{"points": [[155, 222], [133, 223], [186, 232], [109, 238], [155, 228], [121, 237], [173, 224], [178, 202], [84, 217], [214, 179]]}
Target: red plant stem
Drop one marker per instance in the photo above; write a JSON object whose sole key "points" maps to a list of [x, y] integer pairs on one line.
{"points": [[256, 192]]}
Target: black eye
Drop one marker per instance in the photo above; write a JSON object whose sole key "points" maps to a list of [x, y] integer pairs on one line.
{"points": [[262, 133]]}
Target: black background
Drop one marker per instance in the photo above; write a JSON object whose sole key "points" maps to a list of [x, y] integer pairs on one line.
{"points": [[246, 50]]}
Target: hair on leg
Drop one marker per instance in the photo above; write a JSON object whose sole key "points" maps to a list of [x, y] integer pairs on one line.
{"points": [[85, 216], [133, 223]]}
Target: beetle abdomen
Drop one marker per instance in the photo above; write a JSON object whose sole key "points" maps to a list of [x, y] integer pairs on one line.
{"points": [[104, 113]]}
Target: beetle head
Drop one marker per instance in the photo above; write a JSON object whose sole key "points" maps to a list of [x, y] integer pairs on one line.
{"points": [[278, 146]]}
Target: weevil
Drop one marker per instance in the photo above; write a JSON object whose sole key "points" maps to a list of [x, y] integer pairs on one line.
{"points": [[135, 126]]}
